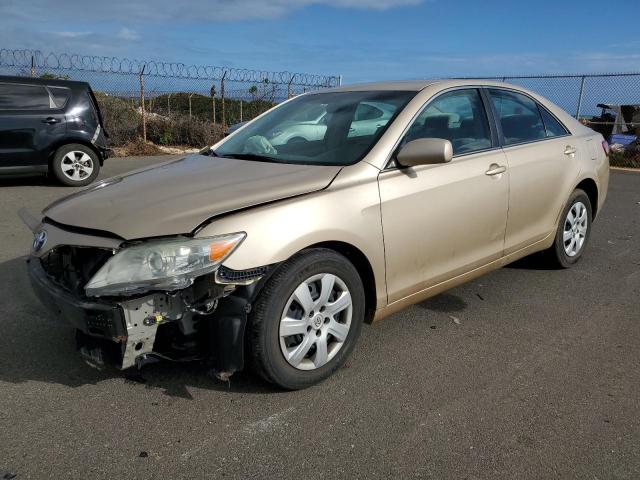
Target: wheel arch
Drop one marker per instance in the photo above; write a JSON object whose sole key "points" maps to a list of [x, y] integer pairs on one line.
{"points": [[359, 261], [67, 141], [589, 186], [364, 268]]}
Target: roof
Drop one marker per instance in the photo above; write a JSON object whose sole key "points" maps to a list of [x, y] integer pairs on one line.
{"points": [[417, 85], [407, 85], [44, 81]]}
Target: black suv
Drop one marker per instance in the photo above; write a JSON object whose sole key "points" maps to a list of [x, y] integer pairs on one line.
{"points": [[51, 126]]}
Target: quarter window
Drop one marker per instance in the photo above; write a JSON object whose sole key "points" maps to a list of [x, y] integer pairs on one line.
{"points": [[552, 126], [457, 116], [23, 97], [60, 96], [366, 111], [519, 116]]}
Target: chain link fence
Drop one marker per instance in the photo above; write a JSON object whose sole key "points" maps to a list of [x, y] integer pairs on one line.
{"points": [[170, 104], [190, 105], [608, 103]]}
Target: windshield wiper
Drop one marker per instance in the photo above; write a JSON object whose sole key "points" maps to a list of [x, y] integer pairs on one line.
{"points": [[208, 152], [251, 156]]}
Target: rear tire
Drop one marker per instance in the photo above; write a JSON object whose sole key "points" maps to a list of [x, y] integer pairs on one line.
{"points": [[573, 231], [75, 165], [295, 347]]}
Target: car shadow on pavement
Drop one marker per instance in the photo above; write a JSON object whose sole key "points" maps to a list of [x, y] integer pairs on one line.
{"points": [[444, 303], [535, 261], [36, 348], [28, 181]]}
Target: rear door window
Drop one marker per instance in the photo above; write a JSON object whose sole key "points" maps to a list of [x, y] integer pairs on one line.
{"points": [[519, 116], [15, 96]]}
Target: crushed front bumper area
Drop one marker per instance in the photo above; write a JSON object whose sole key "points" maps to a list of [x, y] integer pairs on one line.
{"points": [[129, 332]]}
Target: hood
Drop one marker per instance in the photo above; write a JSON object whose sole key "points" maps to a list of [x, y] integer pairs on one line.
{"points": [[176, 197]]}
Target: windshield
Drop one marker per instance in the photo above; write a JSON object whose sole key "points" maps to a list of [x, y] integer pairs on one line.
{"points": [[335, 128]]}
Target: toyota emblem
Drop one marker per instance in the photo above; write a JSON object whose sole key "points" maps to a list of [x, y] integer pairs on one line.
{"points": [[39, 240]]}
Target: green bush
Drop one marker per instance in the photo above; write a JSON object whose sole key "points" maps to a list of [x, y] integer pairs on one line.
{"points": [[182, 130], [121, 120]]}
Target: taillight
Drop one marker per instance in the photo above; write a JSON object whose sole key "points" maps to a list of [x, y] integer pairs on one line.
{"points": [[605, 147]]}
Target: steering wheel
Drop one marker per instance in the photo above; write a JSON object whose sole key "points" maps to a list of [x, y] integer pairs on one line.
{"points": [[259, 145]]}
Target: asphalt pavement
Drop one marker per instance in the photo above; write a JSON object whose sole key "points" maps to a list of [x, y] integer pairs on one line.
{"points": [[526, 373]]}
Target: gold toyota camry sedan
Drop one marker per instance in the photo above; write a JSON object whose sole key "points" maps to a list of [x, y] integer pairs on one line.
{"points": [[272, 247]]}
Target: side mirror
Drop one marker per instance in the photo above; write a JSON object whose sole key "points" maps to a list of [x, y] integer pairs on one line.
{"points": [[425, 151]]}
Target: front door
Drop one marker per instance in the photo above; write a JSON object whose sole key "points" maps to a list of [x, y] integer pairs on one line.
{"points": [[440, 221]]}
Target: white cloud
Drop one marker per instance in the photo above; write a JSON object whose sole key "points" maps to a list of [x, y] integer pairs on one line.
{"points": [[72, 34], [127, 34], [165, 10]]}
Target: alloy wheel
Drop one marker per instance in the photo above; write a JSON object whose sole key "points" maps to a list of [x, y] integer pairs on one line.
{"points": [[76, 165], [315, 322], [575, 229]]}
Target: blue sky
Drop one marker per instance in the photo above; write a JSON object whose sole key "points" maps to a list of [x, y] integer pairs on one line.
{"points": [[362, 40]]}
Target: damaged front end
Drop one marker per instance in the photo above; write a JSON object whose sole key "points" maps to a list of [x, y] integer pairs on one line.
{"points": [[176, 303]]}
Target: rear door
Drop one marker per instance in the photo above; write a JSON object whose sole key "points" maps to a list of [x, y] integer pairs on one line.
{"points": [[441, 221], [543, 160], [29, 123]]}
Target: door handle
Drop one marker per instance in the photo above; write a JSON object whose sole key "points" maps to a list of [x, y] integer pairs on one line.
{"points": [[570, 150], [495, 169], [50, 120]]}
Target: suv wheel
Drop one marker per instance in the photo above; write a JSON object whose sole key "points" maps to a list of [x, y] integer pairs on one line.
{"points": [[306, 319], [573, 231], [75, 165]]}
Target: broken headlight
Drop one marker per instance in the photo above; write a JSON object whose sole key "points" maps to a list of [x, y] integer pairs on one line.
{"points": [[161, 265]]}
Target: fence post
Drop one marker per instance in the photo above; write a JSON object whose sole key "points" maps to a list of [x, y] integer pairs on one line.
{"points": [[190, 106], [212, 91], [222, 98], [33, 66], [168, 105], [241, 110], [144, 121], [339, 80], [580, 98], [289, 86]]}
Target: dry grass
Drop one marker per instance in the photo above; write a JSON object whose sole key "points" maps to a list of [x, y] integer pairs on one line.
{"points": [[139, 148]]}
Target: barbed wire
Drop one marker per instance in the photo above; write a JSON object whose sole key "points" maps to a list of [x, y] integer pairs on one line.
{"points": [[24, 58]]}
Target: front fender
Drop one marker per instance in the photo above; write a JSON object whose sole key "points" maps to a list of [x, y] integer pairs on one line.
{"points": [[347, 211]]}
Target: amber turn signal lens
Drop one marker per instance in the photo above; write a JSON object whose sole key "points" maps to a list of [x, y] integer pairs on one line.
{"points": [[220, 249]]}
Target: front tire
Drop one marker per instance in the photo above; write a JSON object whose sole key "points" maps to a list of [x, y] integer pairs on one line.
{"points": [[307, 319], [573, 231], [75, 165]]}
